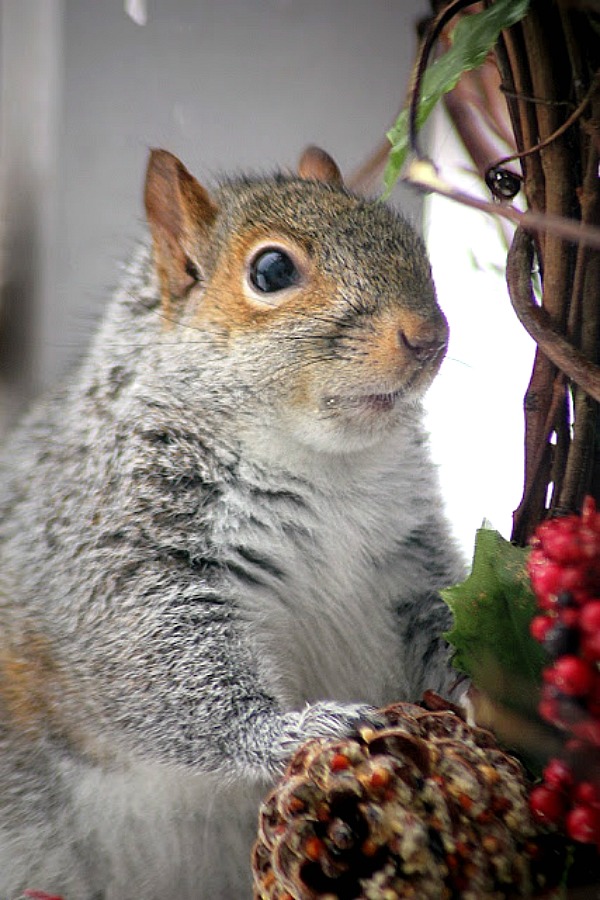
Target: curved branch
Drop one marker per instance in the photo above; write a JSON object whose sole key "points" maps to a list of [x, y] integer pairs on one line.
{"points": [[537, 322], [414, 94]]}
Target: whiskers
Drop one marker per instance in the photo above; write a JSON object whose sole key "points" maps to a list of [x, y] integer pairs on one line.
{"points": [[304, 346], [458, 362]]}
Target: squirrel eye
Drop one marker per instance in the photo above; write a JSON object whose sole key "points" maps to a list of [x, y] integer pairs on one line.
{"points": [[273, 270]]}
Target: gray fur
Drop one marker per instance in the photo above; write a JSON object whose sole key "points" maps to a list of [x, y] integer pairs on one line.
{"points": [[216, 578]]}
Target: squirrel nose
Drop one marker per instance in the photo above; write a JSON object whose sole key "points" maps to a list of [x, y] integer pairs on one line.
{"points": [[425, 345]]}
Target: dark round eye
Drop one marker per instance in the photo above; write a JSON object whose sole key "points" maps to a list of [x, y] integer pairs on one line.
{"points": [[273, 270]]}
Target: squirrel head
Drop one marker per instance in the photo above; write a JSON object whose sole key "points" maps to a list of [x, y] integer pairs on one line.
{"points": [[321, 297]]}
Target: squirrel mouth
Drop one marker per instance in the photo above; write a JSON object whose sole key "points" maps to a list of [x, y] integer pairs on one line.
{"points": [[383, 402], [380, 402], [377, 402]]}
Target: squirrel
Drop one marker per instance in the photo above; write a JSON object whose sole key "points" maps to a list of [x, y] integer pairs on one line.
{"points": [[222, 536]]}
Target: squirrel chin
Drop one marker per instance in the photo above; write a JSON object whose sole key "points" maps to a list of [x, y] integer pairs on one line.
{"points": [[356, 425]]}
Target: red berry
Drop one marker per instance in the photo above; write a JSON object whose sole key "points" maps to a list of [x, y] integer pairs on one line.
{"points": [[540, 626], [566, 558], [589, 617], [547, 805], [590, 647], [583, 824], [576, 748], [587, 793], [589, 542], [572, 675], [555, 579], [560, 709], [588, 731], [560, 541], [558, 775], [569, 617], [585, 594], [589, 516], [545, 578], [592, 701], [548, 709]]}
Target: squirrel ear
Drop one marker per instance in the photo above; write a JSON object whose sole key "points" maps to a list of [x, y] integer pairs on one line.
{"points": [[315, 164], [180, 214]]}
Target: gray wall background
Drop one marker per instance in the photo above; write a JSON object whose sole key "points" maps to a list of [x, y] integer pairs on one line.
{"points": [[224, 84]]}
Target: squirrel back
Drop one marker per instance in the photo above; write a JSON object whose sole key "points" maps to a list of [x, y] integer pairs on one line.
{"points": [[222, 537]]}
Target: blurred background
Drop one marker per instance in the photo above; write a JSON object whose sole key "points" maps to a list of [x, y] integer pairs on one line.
{"points": [[88, 86]]}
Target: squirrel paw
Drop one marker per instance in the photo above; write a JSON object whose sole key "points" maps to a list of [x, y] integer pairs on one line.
{"points": [[323, 720]]}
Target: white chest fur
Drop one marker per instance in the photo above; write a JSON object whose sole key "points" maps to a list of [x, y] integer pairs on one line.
{"points": [[162, 832], [327, 628]]}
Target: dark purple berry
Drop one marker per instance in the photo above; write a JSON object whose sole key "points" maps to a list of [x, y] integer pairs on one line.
{"points": [[565, 600], [503, 183], [561, 640]]}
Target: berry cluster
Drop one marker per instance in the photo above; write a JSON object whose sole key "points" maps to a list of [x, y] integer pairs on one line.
{"points": [[564, 568]]}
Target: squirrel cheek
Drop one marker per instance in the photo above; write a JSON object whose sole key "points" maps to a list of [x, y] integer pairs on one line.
{"points": [[304, 394]]}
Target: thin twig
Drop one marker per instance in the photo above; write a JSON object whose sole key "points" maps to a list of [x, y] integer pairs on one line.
{"points": [[513, 63], [580, 463], [559, 131], [562, 428], [538, 454], [420, 174], [543, 45]]}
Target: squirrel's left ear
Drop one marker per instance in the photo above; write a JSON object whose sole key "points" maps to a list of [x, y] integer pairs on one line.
{"points": [[180, 214], [317, 165]]}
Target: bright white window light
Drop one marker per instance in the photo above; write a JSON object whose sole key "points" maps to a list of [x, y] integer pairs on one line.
{"points": [[475, 406]]}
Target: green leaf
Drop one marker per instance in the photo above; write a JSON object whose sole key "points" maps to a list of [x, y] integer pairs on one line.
{"points": [[473, 38], [492, 611]]}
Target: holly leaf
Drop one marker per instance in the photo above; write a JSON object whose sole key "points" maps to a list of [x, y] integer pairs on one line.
{"points": [[492, 610], [472, 40]]}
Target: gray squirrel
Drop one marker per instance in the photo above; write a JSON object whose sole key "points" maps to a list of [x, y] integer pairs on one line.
{"points": [[223, 536]]}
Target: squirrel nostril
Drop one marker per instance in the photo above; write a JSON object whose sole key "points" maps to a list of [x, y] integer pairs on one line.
{"points": [[424, 349]]}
